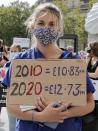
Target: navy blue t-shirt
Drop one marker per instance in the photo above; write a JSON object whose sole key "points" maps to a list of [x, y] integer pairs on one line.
{"points": [[70, 124]]}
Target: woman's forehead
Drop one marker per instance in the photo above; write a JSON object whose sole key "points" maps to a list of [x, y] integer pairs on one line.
{"points": [[47, 15], [13, 48]]}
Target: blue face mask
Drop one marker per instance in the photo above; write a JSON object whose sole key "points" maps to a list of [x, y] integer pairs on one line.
{"points": [[12, 55], [45, 35]]}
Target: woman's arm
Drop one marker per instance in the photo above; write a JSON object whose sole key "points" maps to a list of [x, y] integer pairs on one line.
{"points": [[82, 110], [16, 111], [94, 75], [49, 114], [75, 111]]}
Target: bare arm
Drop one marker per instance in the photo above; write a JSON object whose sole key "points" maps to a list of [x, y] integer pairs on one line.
{"points": [[75, 111], [95, 74], [49, 114], [83, 110], [16, 112]]}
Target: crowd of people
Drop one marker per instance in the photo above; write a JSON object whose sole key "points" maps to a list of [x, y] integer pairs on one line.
{"points": [[6, 55], [47, 27]]}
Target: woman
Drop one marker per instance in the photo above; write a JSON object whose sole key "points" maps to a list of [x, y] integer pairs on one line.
{"points": [[93, 61], [46, 25], [14, 50], [93, 74]]}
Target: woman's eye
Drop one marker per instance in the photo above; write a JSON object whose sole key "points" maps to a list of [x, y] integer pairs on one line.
{"points": [[51, 24], [40, 23]]}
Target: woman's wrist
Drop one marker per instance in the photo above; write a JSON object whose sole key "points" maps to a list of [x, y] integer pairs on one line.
{"points": [[37, 116]]}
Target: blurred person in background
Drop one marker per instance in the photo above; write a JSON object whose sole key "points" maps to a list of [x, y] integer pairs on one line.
{"points": [[1, 48], [70, 48], [93, 61], [92, 68], [14, 50], [3, 60], [1, 45], [91, 27]]}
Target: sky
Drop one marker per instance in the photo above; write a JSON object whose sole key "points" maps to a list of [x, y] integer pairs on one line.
{"points": [[7, 2]]}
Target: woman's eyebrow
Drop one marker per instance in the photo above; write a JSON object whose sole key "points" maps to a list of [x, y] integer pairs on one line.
{"points": [[52, 22], [40, 21]]}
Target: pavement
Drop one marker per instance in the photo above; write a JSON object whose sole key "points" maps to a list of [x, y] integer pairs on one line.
{"points": [[4, 118]]}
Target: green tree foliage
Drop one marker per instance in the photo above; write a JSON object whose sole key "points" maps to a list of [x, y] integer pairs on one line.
{"points": [[74, 24], [74, 20], [91, 2], [62, 5], [12, 20]]}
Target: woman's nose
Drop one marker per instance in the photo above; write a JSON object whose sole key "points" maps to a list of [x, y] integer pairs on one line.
{"points": [[46, 26]]}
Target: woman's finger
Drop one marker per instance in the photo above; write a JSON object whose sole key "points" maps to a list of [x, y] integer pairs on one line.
{"points": [[44, 101], [39, 103], [38, 107]]}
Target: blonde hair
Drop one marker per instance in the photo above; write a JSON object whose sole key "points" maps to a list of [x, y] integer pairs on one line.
{"points": [[1, 41], [18, 47], [53, 9]]}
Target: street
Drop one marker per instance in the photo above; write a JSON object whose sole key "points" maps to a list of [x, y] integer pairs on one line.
{"points": [[4, 118]]}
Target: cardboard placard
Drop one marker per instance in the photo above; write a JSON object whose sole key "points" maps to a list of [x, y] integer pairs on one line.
{"points": [[58, 80]]}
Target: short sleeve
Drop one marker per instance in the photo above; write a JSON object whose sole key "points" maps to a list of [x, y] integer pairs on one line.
{"points": [[22, 55], [90, 87], [7, 79]]}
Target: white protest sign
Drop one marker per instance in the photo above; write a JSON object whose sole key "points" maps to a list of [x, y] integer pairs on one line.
{"points": [[58, 80], [23, 42], [95, 83]]}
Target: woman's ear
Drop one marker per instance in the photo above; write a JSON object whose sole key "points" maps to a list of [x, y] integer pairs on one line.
{"points": [[32, 26]]}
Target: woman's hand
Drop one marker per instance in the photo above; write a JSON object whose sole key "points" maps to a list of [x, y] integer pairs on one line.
{"points": [[49, 113], [54, 114], [41, 103]]}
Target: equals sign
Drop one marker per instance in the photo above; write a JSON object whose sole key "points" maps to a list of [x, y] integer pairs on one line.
{"points": [[47, 70], [46, 88]]}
